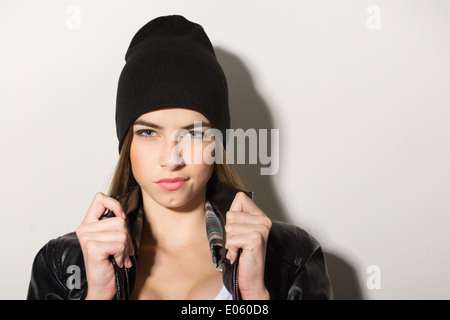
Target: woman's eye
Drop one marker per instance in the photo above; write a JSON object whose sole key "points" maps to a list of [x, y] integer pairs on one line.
{"points": [[196, 134], [145, 133]]}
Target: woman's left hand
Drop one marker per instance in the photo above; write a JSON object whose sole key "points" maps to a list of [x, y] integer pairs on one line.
{"points": [[247, 228]]}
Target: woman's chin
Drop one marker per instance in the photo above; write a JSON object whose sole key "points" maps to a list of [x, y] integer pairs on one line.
{"points": [[176, 200]]}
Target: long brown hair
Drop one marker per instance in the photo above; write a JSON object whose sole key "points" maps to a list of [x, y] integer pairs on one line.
{"points": [[123, 180]]}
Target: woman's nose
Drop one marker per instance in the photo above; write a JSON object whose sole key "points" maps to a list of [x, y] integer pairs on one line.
{"points": [[170, 157]]}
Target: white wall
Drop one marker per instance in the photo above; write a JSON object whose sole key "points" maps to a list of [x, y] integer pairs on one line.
{"points": [[363, 116]]}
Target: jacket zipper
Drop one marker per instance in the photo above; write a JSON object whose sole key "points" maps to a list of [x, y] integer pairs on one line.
{"points": [[127, 284], [236, 283], [236, 277]]}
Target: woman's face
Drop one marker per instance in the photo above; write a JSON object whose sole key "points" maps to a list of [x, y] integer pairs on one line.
{"points": [[167, 157]]}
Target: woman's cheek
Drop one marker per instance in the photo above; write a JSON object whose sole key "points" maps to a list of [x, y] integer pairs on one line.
{"points": [[141, 161], [191, 152]]}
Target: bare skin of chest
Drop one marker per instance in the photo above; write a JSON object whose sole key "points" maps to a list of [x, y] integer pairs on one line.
{"points": [[177, 273]]}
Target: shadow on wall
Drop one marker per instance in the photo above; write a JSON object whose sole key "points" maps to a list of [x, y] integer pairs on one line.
{"points": [[343, 277], [249, 110]]}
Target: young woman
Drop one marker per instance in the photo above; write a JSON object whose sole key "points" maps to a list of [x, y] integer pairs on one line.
{"points": [[177, 225]]}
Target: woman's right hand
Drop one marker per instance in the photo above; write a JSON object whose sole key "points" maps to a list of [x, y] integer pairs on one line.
{"points": [[100, 239]]}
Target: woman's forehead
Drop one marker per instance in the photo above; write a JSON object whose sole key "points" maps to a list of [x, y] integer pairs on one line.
{"points": [[173, 116]]}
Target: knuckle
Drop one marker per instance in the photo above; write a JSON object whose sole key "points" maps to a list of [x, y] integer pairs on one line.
{"points": [[230, 242], [268, 222], [123, 224], [119, 223], [80, 231], [123, 237], [228, 228], [256, 236], [81, 237], [98, 196], [242, 195], [121, 247]]}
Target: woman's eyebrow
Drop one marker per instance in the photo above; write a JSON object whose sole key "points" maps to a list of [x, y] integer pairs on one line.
{"points": [[188, 127], [147, 124]]}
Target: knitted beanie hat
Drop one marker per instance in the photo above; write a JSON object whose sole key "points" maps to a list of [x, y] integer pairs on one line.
{"points": [[171, 63]]}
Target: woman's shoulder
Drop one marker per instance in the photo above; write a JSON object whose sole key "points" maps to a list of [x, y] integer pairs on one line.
{"points": [[58, 270], [62, 251], [290, 243], [295, 265], [67, 241]]}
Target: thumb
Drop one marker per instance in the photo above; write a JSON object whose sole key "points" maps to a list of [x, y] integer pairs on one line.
{"points": [[242, 203]]}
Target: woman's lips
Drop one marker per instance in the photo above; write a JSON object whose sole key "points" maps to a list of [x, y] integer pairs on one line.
{"points": [[171, 183]]}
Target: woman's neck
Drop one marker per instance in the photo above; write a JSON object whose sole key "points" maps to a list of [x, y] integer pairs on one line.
{"points": [[169, 228]]}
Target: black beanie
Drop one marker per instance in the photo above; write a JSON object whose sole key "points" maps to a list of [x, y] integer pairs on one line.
{"points": [[171, 63]]}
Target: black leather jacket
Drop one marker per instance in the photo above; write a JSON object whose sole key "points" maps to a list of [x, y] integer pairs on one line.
{"points": [[295, 267]]}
